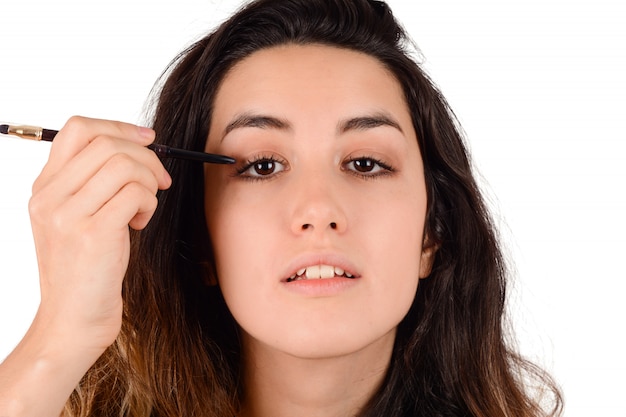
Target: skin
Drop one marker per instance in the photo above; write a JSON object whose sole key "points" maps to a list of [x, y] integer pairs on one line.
{"points": [[313, 117], [99, 180]]}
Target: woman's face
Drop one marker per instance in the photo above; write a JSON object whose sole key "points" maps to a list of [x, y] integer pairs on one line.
{"points": [[318, 228]]}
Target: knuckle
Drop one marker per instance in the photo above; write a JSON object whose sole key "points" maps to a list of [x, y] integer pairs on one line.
{"points": [[37, 185], [133, 189], [103, 144], [153, 202], [76, 123], [132, 171], [36, 206], [120, 163], [145, 199]]}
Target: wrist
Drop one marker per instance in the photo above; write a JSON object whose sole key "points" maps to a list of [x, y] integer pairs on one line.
{"points": [[38, 377]]}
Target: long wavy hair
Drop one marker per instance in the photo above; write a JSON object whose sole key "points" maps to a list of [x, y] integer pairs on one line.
{"points": [[178, 353]]}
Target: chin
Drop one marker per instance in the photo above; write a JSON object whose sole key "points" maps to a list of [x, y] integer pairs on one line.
{"points": [[320, 345]]}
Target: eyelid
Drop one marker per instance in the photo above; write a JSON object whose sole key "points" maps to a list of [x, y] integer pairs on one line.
{"points": [[247, 164], [384, 167]]}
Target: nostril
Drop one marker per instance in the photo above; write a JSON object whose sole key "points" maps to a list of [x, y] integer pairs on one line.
{"points": [[306, 226]]}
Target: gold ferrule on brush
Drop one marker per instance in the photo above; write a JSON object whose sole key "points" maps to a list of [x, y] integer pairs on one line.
{"points": [[26, 132]]}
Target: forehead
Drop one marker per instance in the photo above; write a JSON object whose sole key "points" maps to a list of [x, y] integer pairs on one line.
{"points": [[308, 78], [297, 56]]}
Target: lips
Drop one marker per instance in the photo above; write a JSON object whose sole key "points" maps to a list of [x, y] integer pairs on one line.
{"points": [[320, 271]]}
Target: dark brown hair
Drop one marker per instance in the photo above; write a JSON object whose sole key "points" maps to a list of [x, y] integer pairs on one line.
{"points": [[178, 352]]}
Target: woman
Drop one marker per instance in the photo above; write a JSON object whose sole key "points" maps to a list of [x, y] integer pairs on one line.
{"points": [[345, 265]]}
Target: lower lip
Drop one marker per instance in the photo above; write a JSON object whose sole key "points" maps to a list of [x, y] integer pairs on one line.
{"points": [[324, 287]]}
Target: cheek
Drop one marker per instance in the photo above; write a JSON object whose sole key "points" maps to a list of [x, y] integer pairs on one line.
{"points": [[395, 222], [237, 234], [247, 248], [245, 240], [395, 248]]}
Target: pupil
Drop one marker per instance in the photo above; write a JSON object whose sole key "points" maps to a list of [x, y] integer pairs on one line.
{"points": [[364, 165], [264, 167]]}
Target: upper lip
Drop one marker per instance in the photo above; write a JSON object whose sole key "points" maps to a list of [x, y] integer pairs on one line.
{"points": [[332, 259]]}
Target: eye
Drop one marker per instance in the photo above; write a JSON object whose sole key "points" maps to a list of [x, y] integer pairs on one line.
{"points": [[367, 166], [364, 165], [260, 168]]}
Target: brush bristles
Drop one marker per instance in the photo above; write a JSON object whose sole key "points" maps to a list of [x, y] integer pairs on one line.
{"points": [[4, 129]]}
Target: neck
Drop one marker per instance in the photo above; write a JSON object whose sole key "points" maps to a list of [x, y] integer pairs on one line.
{"points": [[280, 385]]}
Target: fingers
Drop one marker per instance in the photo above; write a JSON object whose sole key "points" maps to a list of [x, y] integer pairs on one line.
{"points": [[91, 160], [116, 177], [99, 177], [74, 159], [97, 164], [132, 201], [78, 132], [99, 170]]}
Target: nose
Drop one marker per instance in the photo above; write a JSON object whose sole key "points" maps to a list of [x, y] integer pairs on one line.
{"points": [[318, 207]]}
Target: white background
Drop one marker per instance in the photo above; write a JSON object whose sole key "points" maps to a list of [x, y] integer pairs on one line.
{"points": [[539, 88]]}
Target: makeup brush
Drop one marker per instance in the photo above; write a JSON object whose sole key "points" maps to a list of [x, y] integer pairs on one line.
{"points": [[164, 151]]}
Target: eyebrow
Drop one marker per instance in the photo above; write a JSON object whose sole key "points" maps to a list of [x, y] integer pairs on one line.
{"points": [[258, 121], [358, 123], [368, 122]]}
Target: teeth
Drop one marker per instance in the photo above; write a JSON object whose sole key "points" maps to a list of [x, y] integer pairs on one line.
{"points": [[313, 272], [319, 272], [327, 271]]}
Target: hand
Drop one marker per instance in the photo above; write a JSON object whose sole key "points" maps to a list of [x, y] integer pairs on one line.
{"points": [[99, 180]]}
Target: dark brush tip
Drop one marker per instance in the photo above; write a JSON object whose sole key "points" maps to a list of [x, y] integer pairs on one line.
{"points": [[4, 129]]}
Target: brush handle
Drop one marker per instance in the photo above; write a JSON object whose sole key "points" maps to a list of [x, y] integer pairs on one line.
{"points": [[164, 151], [29, 132]]}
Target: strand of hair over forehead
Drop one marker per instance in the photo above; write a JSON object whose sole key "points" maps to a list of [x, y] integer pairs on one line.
{"points": [[365, 22]]}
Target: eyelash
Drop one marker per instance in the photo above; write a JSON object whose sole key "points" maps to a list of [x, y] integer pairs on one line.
{"points": [[383, 168], [241, 171]]}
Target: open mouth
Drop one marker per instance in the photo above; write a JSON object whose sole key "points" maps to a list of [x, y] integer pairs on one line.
{"points": [[319, 272]]}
